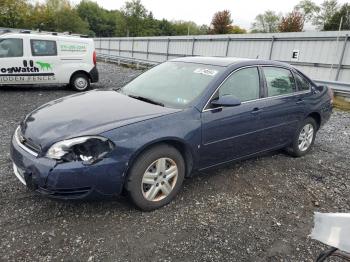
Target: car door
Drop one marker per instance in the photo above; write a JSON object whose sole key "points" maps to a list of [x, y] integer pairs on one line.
{"points": [[44, 57], [13, 64], [282, 109], [230, 132]]}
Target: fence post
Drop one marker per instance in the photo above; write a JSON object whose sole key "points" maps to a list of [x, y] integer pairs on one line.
{"points": [[147, 51], [193, 42], [271, 47], [167, 49], [227, 45], [119, 47], [132, 48], [341, 57], [109, 47]]}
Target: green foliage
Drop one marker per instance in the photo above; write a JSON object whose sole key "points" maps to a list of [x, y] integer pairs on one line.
{"points": [[14, 13], [100, 21], [328, 9], [266, 22], [342, 15], [308, 9]]}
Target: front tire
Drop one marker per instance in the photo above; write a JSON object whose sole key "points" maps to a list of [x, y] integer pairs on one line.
{"points": [[80, 82], [156, 177], [304, 138]]}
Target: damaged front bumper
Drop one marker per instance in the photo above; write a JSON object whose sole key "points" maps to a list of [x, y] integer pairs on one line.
{"points": [[68, 180]]}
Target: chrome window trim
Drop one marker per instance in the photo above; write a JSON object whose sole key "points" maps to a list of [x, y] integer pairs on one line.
{"points": [[223, 81], [310, 84], [254, 100], [265, 98], [23, 146]]}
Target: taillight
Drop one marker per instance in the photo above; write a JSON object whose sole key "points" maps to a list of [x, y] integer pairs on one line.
{"points": [[331, 94], [94, 59]]}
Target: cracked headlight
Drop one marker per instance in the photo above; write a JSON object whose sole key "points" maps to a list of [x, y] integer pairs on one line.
{"points": [[89, 149]]}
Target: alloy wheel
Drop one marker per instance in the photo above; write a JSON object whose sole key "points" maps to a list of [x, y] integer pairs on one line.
{"points": [[159, 179], [305, 137]]}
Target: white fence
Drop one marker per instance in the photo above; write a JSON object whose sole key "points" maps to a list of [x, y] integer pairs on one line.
{"points": [[322, 55]]}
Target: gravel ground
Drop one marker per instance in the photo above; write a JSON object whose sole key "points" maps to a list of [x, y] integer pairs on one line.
{"points": [[256, 210]]}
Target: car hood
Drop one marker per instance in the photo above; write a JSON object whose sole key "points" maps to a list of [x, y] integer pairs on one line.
{"points": [[88, 113]]}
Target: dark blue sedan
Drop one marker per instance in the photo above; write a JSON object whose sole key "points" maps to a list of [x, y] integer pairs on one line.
{"points": [[184, 115]]}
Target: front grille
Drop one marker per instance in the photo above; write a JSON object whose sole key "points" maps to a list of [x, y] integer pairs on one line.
{"points": [[31, 146], [66, 192], [26, 144]]}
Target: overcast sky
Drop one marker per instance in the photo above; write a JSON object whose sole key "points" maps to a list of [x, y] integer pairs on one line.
{"points": [[201, 11]]}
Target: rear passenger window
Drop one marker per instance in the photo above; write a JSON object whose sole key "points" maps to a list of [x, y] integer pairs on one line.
{"points": [[303, 84], [43, 48], [11, 47], [280, 81], [243, 84]]}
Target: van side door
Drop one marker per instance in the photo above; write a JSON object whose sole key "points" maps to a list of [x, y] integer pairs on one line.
{"points": [[44, 57]]}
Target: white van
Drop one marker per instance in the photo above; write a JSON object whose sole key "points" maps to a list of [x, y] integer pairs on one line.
{"points": [[35, 58]]}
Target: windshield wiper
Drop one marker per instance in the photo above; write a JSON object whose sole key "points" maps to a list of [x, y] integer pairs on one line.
{"points": [[148, 100]]}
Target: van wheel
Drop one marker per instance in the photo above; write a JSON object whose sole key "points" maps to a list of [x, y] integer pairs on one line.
{"points": [[156, 177], [80, 82]]}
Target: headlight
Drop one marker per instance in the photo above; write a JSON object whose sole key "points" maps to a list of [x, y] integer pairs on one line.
{"points": [[88, 149]]}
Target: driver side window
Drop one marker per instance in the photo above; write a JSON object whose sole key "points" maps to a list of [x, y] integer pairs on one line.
{"points": [[243, 84], [11, 47]]}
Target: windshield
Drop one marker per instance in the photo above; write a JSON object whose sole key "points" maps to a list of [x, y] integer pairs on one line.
{"points": [[173, 84]]}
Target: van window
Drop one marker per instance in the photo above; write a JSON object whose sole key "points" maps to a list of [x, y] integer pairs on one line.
{"points": [[303, 84], [11, 47], [279, 81], [243, 84], [43, 48]]}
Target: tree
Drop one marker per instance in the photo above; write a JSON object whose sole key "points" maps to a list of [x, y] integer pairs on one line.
{"points": [[57, 15], [328, 9], [14, 13], [101, 22], [135, 14], [341, 17], [308, 9], [235, 29], [186, 28], [266, 22], [221, 22], [293, 22]]}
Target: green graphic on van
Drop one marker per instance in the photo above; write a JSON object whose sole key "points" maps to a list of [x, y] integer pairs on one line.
{"points": [[73, 48], [44, 66]]}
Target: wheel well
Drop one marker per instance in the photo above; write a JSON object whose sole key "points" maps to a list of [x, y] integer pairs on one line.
{"points": [[317, 117], [79, 72], [181, 147]]}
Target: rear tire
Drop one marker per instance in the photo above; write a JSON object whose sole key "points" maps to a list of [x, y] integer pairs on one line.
{"points": [[80, 82], [304, 138], [156, 177]]}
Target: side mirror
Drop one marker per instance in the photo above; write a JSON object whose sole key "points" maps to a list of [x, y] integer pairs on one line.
{"points": [[227, 100]]}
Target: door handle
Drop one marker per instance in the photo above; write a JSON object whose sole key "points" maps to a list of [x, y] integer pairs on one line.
{"points": [[300, 101], [256, 110]]}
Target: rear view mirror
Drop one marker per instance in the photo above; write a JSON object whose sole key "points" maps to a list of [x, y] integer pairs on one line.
{"points": [[227, 100]]}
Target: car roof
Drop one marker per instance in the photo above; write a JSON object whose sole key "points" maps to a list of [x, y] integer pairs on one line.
{"points": [[227, 61]]}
